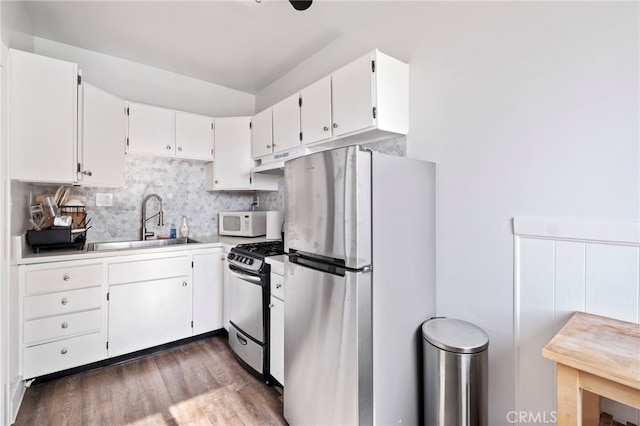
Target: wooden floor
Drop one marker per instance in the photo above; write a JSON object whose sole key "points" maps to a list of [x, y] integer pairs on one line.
{"points": [[200, 383]]}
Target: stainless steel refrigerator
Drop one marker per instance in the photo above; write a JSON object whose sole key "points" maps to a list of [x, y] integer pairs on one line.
{"points": [[359, 282]]}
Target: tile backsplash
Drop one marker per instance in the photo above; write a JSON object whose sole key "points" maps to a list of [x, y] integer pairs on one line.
{"points": [[181, 185]]}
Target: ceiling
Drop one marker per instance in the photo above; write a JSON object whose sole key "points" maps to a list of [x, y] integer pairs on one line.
{"points": [[239, 44]]}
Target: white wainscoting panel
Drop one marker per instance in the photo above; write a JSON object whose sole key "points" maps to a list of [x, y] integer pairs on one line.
{"points": [[555, 277]]}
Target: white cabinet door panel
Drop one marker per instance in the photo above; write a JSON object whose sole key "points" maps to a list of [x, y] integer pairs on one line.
{"points": [[286, 124], [194, 136], [43, 96], [352, 96], [232, 166], [315, 113], [262, 133], [151, 130], [207, 292], [103, 138], [276, 348], [147, 314]]}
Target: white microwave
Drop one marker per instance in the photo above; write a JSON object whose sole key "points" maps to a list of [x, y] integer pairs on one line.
{"points": [[242, 224]]}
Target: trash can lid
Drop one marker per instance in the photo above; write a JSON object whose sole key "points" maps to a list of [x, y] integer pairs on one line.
{"points": [[455, 335]]}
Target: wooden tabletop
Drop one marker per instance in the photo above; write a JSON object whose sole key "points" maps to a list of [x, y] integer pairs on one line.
{"points": [[602, 346]]}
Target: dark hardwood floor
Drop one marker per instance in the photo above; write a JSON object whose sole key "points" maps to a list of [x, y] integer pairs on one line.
{"points": [[199, 383]]}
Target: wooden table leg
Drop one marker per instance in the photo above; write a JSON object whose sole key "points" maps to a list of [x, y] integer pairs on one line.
{"points": [[569, 398], [590, 408]]}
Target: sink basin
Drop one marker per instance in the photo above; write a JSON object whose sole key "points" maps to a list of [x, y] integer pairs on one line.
{"points": [[128, 245]]}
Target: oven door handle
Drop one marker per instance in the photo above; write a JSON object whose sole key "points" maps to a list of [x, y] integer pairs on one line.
{"points": [[246, 277]]}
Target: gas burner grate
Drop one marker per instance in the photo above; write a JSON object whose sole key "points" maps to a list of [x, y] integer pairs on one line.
{"points": [[267, 248]]}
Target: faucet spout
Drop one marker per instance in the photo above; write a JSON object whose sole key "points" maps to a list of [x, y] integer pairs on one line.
{"points": [[160, 215]]}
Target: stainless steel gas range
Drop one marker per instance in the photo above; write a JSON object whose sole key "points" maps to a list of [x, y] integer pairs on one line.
{"points": [[249, 289]]}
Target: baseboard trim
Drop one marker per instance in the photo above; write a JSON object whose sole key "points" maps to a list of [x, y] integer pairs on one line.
{"points": [[17, 394]]}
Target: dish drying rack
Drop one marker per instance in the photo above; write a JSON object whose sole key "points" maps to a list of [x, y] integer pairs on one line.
{"points": [[52, 237]]}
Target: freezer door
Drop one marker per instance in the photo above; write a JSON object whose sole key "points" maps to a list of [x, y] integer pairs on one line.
{"points": [[328, 357], [328, 206]]}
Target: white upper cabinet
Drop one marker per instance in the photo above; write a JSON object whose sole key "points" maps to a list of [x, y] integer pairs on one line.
{"points": [[262, 133], [231, 170], [151, 130], [194, 136], [315, 111], [286, 124], [43, 111], [101, 150], [371, 93]]}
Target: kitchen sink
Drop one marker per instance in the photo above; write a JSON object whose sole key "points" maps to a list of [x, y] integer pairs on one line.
{"points": [[128, 245]]}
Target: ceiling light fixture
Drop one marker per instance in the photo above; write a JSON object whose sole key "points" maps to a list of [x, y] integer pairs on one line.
{"points": [[301, 5]]}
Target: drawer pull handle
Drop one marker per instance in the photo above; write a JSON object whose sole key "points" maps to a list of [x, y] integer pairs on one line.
{"points": [[179, 149], [184, 283], [64, 301], [63, 351], [278, 285], [66, 277], [270, 305], [65, 325], [168, 147], [325, 128], [241, 339]]}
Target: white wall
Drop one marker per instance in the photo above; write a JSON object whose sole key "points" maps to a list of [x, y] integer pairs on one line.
{"points": [[528, 109], [142, 83], [14, 29]]}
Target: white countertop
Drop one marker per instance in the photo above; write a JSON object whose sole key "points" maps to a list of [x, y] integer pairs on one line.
{"points": [[23, 254], [277, 263]]}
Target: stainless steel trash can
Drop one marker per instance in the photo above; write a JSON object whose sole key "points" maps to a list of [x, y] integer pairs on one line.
{"points": [[455, 373]]}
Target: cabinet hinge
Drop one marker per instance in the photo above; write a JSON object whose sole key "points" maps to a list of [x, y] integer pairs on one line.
{"points": [[250, 125], [300, 136], [250, 180], [127, 141], [79, 80], [299, 102], [107, 297], [211, 126], [192, 263], [191, 324], [373, 66], [374, 112], [107, 345], [127, 111], [79, 168]]}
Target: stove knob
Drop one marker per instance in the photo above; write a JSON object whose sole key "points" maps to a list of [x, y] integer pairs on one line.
{"points": [[231, 256], [250, 261]]}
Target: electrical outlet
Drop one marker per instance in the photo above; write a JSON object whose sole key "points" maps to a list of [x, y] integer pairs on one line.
{"points": [[104, 200]]}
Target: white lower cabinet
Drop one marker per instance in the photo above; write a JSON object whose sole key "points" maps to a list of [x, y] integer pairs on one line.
{"points": [[62, 316], [73, 313], [276, 342], [207, 291], [149, 313]]}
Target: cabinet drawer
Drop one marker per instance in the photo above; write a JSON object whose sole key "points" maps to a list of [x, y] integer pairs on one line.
{"points": [[146, 270], [64, 302], [63, 278], [62, 326], [277, 286], [63, 354]]}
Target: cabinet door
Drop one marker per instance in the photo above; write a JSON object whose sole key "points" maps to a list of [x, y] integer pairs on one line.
{"points": [[352, 96], [194, 136], [43, 112], [286, 124], [315, 112], [207, 292], [225, 292], [149, 313], [151, 130], [101, 153], [232, 150], [276, 348], [261, 133]]}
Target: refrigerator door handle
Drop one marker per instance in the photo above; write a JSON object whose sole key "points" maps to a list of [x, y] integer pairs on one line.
{"points": [[246, 277]]}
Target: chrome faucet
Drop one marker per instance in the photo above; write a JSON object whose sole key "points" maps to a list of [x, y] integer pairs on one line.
{"points": [[160, 215]]}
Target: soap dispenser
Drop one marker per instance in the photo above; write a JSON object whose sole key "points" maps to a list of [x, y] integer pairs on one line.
{"points": [[184, 228]]}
